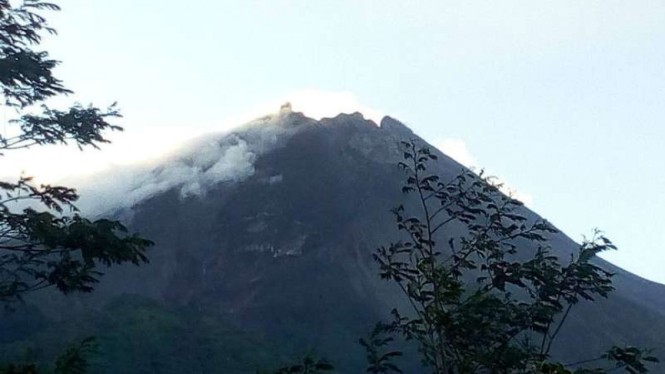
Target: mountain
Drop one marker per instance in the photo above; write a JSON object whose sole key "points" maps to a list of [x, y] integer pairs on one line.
{"points": [[264, 240]]}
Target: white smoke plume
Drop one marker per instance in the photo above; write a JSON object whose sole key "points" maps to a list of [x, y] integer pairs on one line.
{"points": [[193, 170], [131, 169]]}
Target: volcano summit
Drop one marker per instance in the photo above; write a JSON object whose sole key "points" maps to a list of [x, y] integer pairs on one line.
{"points": [[264, 241]]}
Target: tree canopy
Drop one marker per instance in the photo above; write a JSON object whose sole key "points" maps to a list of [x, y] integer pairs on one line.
{"points": [[479, 306], [44, 240]]}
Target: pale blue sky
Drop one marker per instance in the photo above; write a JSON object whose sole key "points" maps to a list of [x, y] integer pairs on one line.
{"points": [[564, 100]]}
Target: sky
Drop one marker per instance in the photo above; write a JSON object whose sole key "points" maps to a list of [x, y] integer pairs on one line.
{"points": [[562, 100]]}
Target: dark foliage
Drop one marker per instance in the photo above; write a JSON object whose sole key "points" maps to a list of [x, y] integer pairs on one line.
{"points": [[25, 75], [479, 308], [40, 245], [308, 365], [43, 248], [379, 361], [72, 361]]}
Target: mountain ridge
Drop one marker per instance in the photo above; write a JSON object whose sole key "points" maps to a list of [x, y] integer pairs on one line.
{"points": [[286, 249]]}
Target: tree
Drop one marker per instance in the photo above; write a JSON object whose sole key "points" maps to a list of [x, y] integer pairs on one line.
{"points": [[481, 307], [308, 365], [47, 243], [41, 245]]}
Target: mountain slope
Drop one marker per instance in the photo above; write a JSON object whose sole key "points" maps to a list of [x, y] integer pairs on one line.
{"points": [[280, 243]]}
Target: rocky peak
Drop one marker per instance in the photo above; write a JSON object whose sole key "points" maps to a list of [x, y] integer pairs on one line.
{"points": [[396, 127]]}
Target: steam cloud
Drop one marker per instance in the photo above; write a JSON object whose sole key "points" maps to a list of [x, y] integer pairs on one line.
{"points": [[193, 170]]}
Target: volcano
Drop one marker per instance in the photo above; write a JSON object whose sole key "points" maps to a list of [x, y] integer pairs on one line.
{"points": [[264, 241]]}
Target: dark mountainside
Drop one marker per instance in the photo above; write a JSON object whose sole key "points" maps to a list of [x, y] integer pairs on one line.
{"points": [[278, 263]]}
